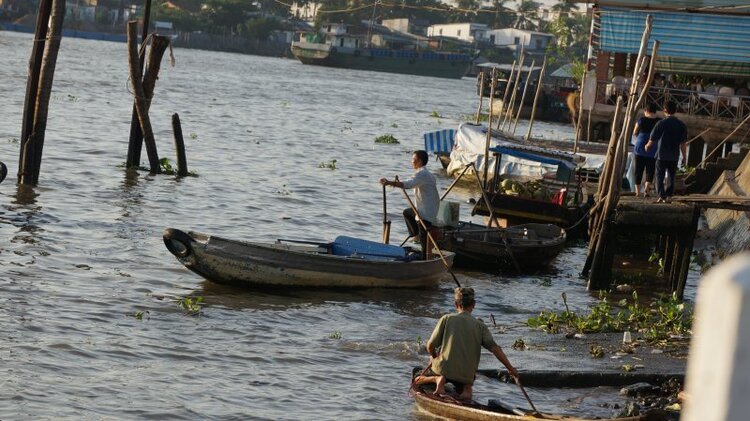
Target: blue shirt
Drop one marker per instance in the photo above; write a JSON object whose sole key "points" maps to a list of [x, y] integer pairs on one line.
{"points": [[668, 135], [645, 126]]}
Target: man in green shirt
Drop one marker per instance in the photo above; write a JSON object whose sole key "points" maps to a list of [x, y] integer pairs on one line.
{"points": [[459, 337]]}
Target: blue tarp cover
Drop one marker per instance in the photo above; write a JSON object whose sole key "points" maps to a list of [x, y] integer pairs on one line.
{"points": [[348, 246], [532, 157]]}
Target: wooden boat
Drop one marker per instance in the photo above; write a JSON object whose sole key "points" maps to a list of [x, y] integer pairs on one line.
{"points": [[526, 246], [450, 408], [346, 262]]}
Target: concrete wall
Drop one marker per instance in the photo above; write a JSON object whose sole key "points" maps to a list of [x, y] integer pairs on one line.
{"points": [[732, 228]]}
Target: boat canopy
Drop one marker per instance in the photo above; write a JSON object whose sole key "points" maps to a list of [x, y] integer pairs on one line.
{"points": [[565, 168]]}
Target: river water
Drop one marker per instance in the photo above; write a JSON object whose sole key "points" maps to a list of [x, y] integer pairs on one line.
{"points": [[82, 252]]}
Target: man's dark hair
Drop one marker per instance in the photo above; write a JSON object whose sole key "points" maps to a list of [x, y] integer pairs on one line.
{"points": [[651, 108], [670, 107], [422, 156]]}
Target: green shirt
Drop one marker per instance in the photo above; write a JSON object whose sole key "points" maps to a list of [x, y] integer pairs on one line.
{"points": [[459, 337]]}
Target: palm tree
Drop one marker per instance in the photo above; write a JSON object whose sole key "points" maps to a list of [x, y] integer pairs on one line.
{"points": [[563, 7], [526, 17]]}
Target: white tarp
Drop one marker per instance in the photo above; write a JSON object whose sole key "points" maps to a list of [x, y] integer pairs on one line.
{"points": [[469, 147]]}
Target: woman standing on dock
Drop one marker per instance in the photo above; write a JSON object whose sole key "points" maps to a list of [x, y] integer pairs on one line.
{"points": [[644, 159]]}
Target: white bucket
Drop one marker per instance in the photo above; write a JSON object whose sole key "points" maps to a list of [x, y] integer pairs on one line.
{"points": [[448, 213]]}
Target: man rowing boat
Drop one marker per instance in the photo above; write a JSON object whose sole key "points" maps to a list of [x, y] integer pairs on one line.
{"points": [[459, 337], [428, 199]]}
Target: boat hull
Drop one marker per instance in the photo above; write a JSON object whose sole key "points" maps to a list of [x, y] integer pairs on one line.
{"points": [[391, 61], [477, 246], [278, 265]]}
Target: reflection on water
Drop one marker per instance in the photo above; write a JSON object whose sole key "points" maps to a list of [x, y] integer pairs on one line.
{"points": [[86, 254]]}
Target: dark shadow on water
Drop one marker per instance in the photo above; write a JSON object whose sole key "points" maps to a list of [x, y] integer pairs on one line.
{"points": [[412, 302]]}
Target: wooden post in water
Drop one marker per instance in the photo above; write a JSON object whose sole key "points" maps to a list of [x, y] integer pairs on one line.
{"points": [[536, 98], [493, 82], [135, 141], [523, 98], [580, 110], [481, 95], [32, 81], [140, 99], [179, 146], [509, 109], [505, 95], [31, 149]]}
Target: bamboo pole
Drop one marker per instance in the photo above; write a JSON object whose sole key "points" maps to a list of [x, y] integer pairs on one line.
{"points": [[481, 96], [32, 151], [507, 91], [179, 146], [523, 97], [536, 98], [580, 111], [32, 81], [140, 99], [489, 127], [469, 165], [511, 104]]}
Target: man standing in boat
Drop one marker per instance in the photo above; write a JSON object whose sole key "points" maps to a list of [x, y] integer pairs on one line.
{"points": [[428, 200], [455, 348]]}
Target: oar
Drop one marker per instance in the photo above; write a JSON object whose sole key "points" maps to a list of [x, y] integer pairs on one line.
{"points": [[526, 395], [429, 236], [386, 222]]}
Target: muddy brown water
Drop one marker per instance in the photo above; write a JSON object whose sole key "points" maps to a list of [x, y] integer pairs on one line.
{"points": [[82, 252]]}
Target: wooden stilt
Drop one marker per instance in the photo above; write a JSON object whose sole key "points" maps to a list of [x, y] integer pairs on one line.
{"points": [[135, 141], [179, 146], [140, 99], [505, 95], [536, 98], [481, 96], [32, 148], [493, 82], [32, 82], [685, 264], [512, 102]]}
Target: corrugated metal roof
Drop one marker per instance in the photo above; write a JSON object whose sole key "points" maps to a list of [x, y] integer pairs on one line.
{"points": [[723, 6], [683, 35]]}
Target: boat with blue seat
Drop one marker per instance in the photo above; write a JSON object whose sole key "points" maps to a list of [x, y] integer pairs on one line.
{"points": [[345, 262]]}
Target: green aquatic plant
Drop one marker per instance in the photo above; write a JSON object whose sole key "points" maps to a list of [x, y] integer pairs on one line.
{"points": [[139, 315], [386, 138], [596, 351], [335, 335], [394, 126], [193, 135], [191, 305], [435, 114], [331, 165], [519, 345], [663, 317]]}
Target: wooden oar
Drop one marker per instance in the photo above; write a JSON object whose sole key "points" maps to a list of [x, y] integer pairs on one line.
{"points": [[429, 236], [386, 222], [526, 395]]}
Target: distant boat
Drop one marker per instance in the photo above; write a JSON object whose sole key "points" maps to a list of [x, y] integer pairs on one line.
{"points": [[345, 262], [355, 51]]}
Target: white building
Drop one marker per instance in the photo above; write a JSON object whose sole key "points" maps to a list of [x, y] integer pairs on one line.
{"points": [[464, 31], [515, 38]]}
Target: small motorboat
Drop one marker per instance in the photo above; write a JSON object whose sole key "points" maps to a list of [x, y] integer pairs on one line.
{"points": [[527, 246], [345, 262]]}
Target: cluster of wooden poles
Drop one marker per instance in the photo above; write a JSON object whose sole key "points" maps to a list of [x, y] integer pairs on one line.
{"points": [[508, 115], [608, 192], [44, 52]]}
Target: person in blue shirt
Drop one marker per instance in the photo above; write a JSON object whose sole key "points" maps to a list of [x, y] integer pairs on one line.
{"points": [[644, 159], [668, 138]]}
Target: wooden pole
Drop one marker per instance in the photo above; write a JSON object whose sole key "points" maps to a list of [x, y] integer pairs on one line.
{"points": [[481, 96], [489, 128], [536, 98], [141, 100], [507, 91], [32, 151], [135, 141], [523, 97], [580, 111], [179, 146], [32, 81], [429, 236], [509, 110]]}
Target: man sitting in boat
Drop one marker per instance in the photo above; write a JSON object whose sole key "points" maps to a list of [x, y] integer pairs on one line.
{"points": [[459, 337], [428, 200]]}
